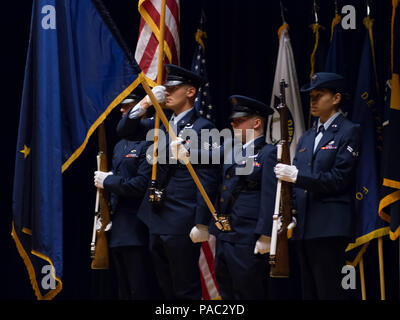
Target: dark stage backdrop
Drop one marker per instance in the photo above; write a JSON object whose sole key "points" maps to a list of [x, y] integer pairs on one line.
{"points": [[241, 50]]}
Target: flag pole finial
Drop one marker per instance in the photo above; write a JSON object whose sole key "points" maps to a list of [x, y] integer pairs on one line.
{"points": [[368, 8], [315, 11]]}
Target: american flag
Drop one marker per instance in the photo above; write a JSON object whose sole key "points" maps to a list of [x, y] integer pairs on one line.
{"points": [[205, 109], [206, 265], [203, 100], [146, 53]]}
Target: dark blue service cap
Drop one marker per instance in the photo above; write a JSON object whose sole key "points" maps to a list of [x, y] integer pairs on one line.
{"points": [[243, 106], [136, 95], [177, 75], [325, 80]]}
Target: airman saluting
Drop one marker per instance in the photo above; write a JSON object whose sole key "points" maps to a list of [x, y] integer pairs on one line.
{"points": [[179, 223]]}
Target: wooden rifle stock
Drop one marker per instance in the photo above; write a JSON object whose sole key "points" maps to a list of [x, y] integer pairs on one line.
{"points": [[100, 259], [280, 260]]}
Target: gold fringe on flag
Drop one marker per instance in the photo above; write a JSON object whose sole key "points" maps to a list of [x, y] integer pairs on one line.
{"points": [[281, 28], [335, 21], [368, 23], [200, 34], [315, 28]]}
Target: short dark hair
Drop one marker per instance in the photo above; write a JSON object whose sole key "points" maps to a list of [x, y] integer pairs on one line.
{"points": [[333, 92], [263, 119]]}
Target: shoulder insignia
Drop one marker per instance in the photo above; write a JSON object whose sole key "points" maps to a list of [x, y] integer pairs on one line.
{"points": [[351, 150]]}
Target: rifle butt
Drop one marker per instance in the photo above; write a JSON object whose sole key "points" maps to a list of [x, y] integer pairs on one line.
{"points": [[280, 262], [101, 259]]}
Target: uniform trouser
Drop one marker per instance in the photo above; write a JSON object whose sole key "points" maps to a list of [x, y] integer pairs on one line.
{"points": [[135, 273], [240, 273], [176, 260], [321, 261]]}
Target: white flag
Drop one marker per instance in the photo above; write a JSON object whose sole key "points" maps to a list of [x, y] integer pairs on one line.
{"points": [[286, 70]]}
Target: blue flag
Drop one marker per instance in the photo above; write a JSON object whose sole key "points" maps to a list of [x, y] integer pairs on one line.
{"points": [[202, 102], [77, 71], [366, 113], [335, 59], [389, 205]]}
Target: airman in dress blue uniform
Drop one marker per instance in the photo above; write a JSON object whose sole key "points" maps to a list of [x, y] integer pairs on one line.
{"points": [[179, 223], [241, 265], [129, 237], [323, 177]]}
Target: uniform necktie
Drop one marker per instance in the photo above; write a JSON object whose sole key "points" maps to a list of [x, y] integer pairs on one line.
{"points": [[320, 129]]}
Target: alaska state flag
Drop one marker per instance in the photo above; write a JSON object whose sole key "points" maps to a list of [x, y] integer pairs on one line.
{"points": [[77, 70]]}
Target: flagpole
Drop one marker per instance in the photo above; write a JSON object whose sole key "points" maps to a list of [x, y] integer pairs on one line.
{"points": [[362, 279], [381, 268], [161, 43], [315, 28], [159, 82]]}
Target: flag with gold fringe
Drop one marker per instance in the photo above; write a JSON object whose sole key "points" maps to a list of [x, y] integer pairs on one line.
{"points": [[77, 70], [286, 69], [389, 205], [367, 113], [335, 58], [204, 107]]}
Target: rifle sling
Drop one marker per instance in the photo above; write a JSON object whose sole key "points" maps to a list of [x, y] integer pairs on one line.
{"points": [[244, 184]]}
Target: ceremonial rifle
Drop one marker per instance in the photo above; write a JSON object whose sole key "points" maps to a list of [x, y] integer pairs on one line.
{"points": [[99, 245], [279, 251]]}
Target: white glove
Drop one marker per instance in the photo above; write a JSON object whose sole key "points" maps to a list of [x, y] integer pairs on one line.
{"points": [[99, 177], [178, 151], [286, 173], [199, 233], [159, 93], [137, 111], [262, 245]]}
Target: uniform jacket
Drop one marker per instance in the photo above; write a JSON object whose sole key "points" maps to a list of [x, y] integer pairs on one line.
{"points": [[127, 186], [183, 205], [323, 192], [252, 210]]}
